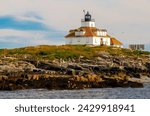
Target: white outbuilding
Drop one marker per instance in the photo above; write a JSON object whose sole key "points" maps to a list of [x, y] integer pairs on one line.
{"points": [[88, 34]]}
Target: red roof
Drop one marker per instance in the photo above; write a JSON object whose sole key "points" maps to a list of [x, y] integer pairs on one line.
{"points": [[89, 32], [114, 41]]}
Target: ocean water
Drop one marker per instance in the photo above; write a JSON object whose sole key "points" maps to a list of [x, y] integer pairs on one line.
{"points": [[102, 93]]}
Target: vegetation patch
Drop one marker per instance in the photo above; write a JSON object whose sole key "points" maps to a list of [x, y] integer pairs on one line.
{"points": [[70, 52]]}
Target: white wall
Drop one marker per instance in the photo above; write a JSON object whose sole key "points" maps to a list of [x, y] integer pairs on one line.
{"points": [[106, 40], [87, 24], [96, 41], [83, 41], [89, 41]]}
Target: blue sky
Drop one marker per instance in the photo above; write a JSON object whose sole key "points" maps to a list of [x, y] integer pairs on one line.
{"points": [[10, 22], [36, 22]]}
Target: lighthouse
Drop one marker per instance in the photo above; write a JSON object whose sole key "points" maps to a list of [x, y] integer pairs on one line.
{"points": [[87, 21], [89, 34]]}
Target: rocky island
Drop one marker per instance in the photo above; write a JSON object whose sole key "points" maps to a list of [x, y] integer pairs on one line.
{"points": [[72, 67]]}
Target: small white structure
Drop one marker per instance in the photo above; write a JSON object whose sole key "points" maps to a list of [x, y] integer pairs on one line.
{"points": [[88, 34], [137, 46]]}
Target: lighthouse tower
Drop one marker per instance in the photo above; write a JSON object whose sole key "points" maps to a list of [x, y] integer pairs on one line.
{"points": [[87, 21]]}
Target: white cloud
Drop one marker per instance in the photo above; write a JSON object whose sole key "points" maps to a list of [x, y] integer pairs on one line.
{"points": [[27, 37], [11, 32], [26, 18]]}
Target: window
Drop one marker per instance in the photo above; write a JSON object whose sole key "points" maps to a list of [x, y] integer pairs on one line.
{"points": [[70, 41], [95, 40], [78, 39], [87, 40]]}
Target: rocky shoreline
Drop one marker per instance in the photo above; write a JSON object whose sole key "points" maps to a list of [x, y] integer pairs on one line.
{"points": [[104, 70]]}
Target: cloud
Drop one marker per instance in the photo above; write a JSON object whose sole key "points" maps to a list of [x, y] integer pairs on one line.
{"points": [[19, 38], [27, 29], [10, 22]]}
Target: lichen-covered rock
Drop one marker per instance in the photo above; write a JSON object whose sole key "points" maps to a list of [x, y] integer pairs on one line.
{"points": [[103, 70]]}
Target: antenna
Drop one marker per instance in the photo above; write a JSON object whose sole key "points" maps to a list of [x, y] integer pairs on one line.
{"points": [[84, 12]]}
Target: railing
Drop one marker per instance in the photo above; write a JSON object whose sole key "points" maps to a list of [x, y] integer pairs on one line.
{"points": [[83, 20]]}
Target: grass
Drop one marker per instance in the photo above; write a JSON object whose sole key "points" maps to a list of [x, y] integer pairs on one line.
{"points": [[1, 50], [69, 52]]}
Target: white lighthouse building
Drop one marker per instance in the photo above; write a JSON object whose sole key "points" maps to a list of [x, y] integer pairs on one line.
{"points": [[88, 34]]}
